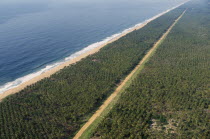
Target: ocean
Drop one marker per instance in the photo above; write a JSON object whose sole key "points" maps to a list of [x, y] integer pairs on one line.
{"points": [[37, 36]]}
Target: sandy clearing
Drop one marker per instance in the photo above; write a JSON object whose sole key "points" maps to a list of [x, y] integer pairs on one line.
{"points": [[123, 83]]}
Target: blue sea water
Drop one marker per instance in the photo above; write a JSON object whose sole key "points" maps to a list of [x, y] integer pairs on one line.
{"points": [[34, 35]]}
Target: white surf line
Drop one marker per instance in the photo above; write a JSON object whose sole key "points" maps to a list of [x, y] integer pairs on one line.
{"points": [[22, 82]]}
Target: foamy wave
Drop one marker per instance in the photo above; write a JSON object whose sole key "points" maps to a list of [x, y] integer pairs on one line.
{"points": [[28, 77]]}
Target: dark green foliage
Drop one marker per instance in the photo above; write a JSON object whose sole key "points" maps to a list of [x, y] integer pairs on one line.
{"points": [[170, 98], [58, 106]]}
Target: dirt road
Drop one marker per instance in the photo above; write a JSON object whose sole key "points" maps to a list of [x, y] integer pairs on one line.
{"points": [[122, 84]]}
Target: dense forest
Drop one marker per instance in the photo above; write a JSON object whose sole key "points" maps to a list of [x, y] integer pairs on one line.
{"points": [[56, 107], [170, 98]]}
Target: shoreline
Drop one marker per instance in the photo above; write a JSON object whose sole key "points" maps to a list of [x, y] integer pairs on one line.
{"points": [[80, 57]]}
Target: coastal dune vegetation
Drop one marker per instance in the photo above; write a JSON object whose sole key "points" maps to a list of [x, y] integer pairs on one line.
{"points": [[170, 98], [57, 107]]}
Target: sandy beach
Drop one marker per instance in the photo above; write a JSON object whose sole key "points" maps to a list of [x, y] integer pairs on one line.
{"points": [[58, 68], [68, 63]]}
